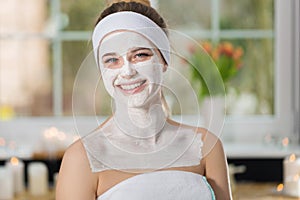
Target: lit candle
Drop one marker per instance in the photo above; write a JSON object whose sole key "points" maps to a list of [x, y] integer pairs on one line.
{"points": [[38, 178], [285, 142], [17, 168], [291, 167], [6, 183]]}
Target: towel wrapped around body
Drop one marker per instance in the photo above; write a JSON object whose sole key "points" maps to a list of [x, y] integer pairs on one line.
{"points": [[161, 185]]}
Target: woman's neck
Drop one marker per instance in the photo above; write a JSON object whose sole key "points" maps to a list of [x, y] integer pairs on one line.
{"points": [[143, 122]]}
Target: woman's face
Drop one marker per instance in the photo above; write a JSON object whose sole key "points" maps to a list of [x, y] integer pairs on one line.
{"points": [[131, 67]]}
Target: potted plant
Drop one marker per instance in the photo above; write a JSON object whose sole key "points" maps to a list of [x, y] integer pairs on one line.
{"points": [[213, 66]]}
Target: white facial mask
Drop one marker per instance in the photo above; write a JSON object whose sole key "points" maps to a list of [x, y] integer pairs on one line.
{"points": [[120, 43]]}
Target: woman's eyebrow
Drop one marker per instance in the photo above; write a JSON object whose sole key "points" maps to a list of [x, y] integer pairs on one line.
{"points": [[109, 54], [138, 49]]}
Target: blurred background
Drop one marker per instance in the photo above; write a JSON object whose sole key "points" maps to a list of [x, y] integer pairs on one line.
{"points": [[43, 44]]}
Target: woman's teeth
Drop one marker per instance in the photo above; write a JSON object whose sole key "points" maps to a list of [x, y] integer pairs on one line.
{"points": [[132, 86]]}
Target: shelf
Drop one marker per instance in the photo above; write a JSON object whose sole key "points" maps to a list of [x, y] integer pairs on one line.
{"points": [[244, 150]]}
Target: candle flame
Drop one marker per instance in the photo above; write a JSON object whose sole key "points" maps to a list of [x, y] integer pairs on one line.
{"points": [[285, 141], [279, 187], [296, 177], [292, 158], [54, 134], [14, 161]]}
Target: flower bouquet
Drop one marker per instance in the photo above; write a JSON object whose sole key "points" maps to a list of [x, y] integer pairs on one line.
{"points": [[214, 66]]}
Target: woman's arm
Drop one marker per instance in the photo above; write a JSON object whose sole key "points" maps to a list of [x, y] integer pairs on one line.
{"points": [[216, 169], [76, 180]]}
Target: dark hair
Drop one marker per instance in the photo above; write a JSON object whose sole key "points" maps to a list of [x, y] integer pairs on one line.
{"points": [[140, 8]]}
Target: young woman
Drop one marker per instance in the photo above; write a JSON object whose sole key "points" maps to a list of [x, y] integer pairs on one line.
{"points": [[139, 153]]}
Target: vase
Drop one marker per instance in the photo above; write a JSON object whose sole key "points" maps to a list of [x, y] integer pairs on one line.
{"points": [[212, 111]]}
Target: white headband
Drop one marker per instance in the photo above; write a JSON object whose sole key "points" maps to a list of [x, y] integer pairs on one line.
{"points": [[136, 22]]}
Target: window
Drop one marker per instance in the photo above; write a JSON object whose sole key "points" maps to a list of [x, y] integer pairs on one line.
{"points": [[42, 50], [248, 24]]}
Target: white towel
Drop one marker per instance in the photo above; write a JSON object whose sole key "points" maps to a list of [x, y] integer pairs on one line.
{"points": [[161, 185]]}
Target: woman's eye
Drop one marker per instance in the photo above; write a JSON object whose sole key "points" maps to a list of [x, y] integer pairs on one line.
{"points": [[139, 55], [111, 60]]}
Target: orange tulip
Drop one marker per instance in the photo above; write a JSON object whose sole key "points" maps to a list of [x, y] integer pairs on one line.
{"points": [[238, 52], [207, 47]]}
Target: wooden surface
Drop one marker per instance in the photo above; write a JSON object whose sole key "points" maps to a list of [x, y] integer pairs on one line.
{"points": [[27, 196], [259, 191], [242, 191]]}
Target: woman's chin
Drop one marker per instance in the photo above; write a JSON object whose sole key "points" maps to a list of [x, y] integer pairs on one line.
{"points": [[138, 99]]}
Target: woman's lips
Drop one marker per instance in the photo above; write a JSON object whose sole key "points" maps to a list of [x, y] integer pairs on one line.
{"points": [[132, 88]]}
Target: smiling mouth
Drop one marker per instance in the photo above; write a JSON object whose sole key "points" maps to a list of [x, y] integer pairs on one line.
{"points": [[133, 87]]}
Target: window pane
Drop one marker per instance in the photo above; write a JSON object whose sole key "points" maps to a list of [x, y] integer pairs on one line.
{"points": [[74, 54], [247, 14], [82, 89], [186, 14], [25, 73], [82, 15], [252, 90]]}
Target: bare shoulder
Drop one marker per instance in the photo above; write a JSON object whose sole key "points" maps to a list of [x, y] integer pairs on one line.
{"points": [[75, 179], [76, 152], [75, 159], [215, 162], [211, 143]]}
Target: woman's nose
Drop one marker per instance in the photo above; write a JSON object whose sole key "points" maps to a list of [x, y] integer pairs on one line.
{"points": [[127, 70]]}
